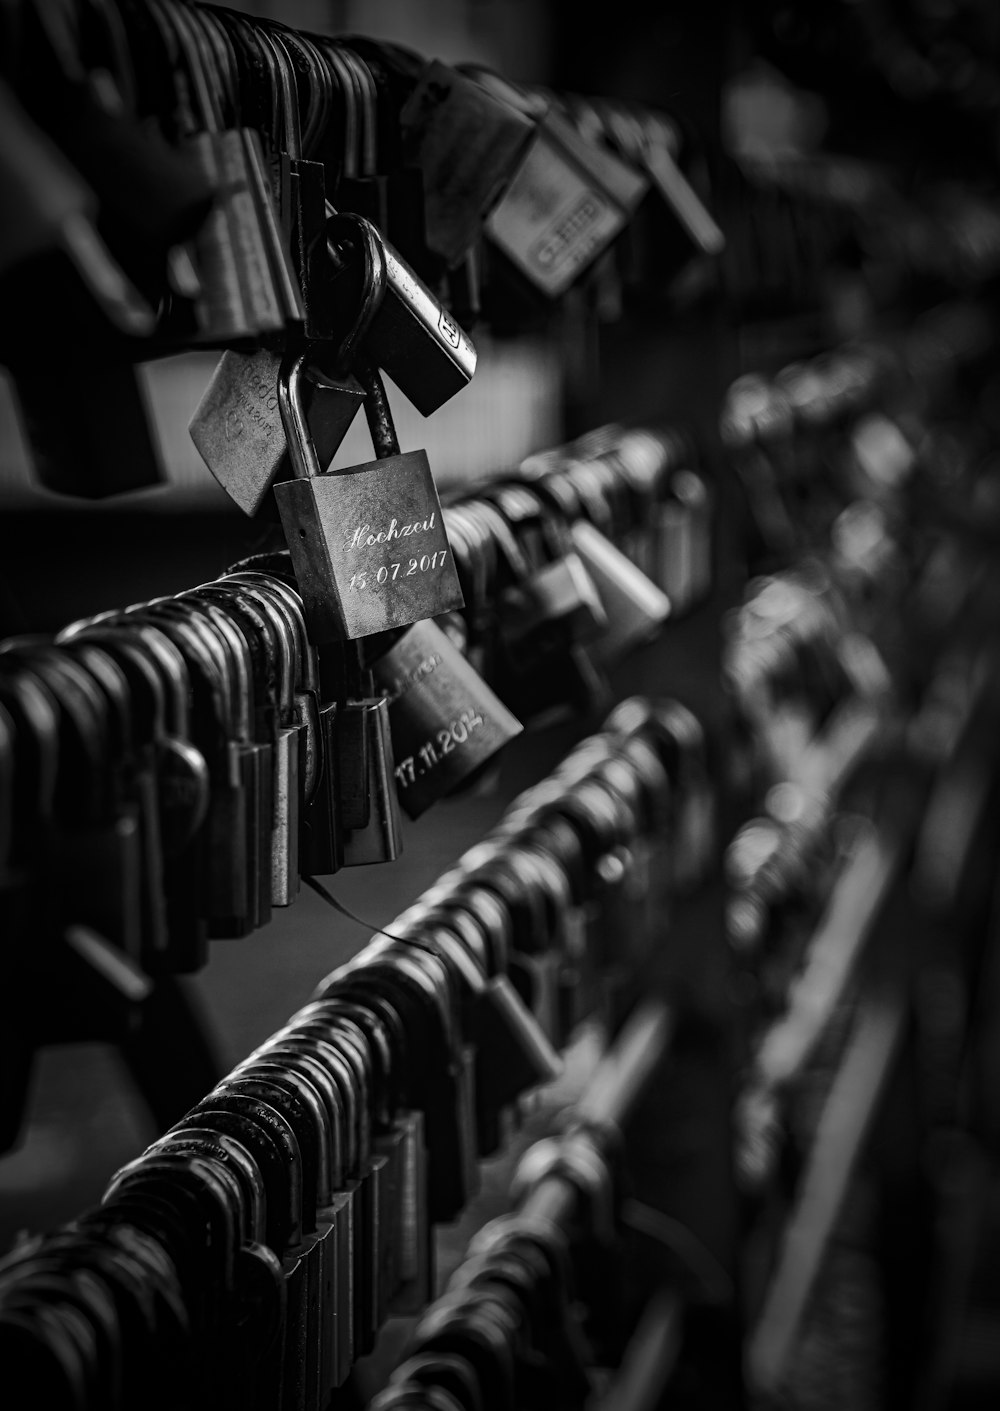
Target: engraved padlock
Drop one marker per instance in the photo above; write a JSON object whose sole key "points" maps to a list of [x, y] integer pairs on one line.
{"points": [[237, 425], [446, 721], [368, 543]]}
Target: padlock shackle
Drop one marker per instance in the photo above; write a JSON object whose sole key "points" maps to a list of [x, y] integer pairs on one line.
{"points": [[377, 411], [364, 236], [301, 447]]}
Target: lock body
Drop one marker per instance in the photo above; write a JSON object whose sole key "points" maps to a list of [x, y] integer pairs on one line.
{"points": [[369, 547], [373, 827], [564, 207], [468, 143], [408, 333], [238, 431], [446, 721], [368, 543], [635, 607]]}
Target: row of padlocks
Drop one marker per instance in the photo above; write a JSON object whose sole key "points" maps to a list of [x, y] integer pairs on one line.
{"points": [[666, 1072]]}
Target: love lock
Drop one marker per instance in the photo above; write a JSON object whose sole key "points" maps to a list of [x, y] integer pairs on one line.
{"points": [[368, 543]]}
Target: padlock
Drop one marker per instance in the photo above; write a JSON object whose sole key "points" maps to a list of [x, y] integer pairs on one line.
{"points": [[417, 986], [228, 305], [320, 839], [410, 334], [361, 187], [645, 459], [301, 184], [261, 272], [368, 543], [446, 721], [537, 663], [635, 607], [678, 227], [372, 182], [556, 601], [477, 560], [567, 202], [468, 142], [237, 426], [683, 520], [374, 835], [240, 55], [402, 181]]}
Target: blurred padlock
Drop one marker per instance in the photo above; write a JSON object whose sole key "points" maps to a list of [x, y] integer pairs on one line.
{"points": [[635, 607]]}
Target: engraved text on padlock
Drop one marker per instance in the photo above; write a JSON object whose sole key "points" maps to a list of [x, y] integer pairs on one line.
{"points": [[368, 542], [446, 721]]}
